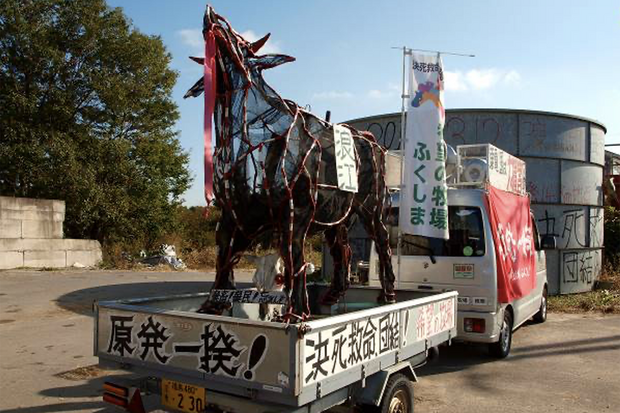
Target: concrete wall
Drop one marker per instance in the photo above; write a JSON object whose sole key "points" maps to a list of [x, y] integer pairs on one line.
{"points": [[31, 235]]}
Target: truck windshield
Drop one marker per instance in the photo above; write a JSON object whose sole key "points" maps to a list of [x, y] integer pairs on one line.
{"points": [[466, 236]]}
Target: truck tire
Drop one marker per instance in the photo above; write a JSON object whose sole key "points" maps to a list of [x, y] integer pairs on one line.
{"points": [[501, 348], [541, 315], [398, 395]]}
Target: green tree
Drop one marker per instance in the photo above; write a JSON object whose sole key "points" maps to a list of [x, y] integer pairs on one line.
{"points": [[198, 230], [86, 115], [612, 236]]}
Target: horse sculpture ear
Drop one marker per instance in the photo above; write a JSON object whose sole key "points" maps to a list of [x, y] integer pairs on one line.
{"points": [[255, 47], [199, 60], [199, 86], [196, 90], [269, 60]]}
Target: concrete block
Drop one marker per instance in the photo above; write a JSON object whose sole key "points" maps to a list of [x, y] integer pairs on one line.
{"points": [[32, 215], [79, 244], [21, 244], [31, 204], [11, 259], [10, 228], [10, 244], [48, 259], [87, 258], [26, 244], [41, 229]]}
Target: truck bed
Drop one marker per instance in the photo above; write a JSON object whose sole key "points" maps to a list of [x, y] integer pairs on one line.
{"points": [[288, 364]]}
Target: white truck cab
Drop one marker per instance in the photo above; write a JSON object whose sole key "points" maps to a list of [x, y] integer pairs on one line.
{"points": [[467, 263]]}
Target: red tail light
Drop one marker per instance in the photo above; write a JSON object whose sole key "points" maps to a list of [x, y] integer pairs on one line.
{"points": [[474, 325], [115, 389], [115, 400], [122, 396]]}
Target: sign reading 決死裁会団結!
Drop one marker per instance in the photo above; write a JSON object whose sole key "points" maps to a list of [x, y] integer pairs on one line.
{"points": [[424, 203]]}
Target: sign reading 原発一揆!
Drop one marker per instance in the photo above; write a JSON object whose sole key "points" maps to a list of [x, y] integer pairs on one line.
{"points": [[423, 202]]}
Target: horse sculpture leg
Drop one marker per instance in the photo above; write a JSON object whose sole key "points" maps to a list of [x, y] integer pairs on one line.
{"points": [[230, 244], [292, 253], [373, 223], [338, 242], [295, 281], [386, 275]]}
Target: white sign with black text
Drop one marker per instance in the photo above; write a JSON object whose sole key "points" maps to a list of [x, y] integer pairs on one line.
{"points": [[346, 160]]}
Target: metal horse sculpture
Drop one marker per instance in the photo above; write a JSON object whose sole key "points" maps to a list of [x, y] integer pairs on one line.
{"points": [[275, 170]]}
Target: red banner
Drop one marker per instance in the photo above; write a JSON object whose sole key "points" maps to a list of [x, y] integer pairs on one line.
{"points": [[210, 78], [514, 244]]}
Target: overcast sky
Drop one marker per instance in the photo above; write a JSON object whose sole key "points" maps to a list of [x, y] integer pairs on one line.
{"points": [[559, 56]]}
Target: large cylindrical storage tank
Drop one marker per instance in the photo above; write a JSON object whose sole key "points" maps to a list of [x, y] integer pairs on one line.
{"points": [[565, 157]]}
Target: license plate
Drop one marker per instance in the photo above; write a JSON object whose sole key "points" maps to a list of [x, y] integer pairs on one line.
{"points": [[181, 396]]}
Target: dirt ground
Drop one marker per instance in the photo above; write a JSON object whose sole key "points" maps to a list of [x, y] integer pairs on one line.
{"points": [[569, 364]]}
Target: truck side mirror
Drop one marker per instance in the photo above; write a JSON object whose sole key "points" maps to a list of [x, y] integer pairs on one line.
{"points": [[548, 242]]}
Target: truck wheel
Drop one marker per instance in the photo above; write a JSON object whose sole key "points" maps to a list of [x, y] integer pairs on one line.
{"points": [[541, 315], [398, 395], [501, 349]]}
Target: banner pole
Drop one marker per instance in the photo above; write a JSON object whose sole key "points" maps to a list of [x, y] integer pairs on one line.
{"points": [[402, 161], [408, 51]]}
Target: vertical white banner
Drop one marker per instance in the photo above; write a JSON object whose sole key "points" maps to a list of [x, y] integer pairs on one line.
{"points": [[424, 198]]}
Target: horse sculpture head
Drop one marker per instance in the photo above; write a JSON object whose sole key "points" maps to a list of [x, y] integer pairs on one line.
{"points": [[236, 58]]}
